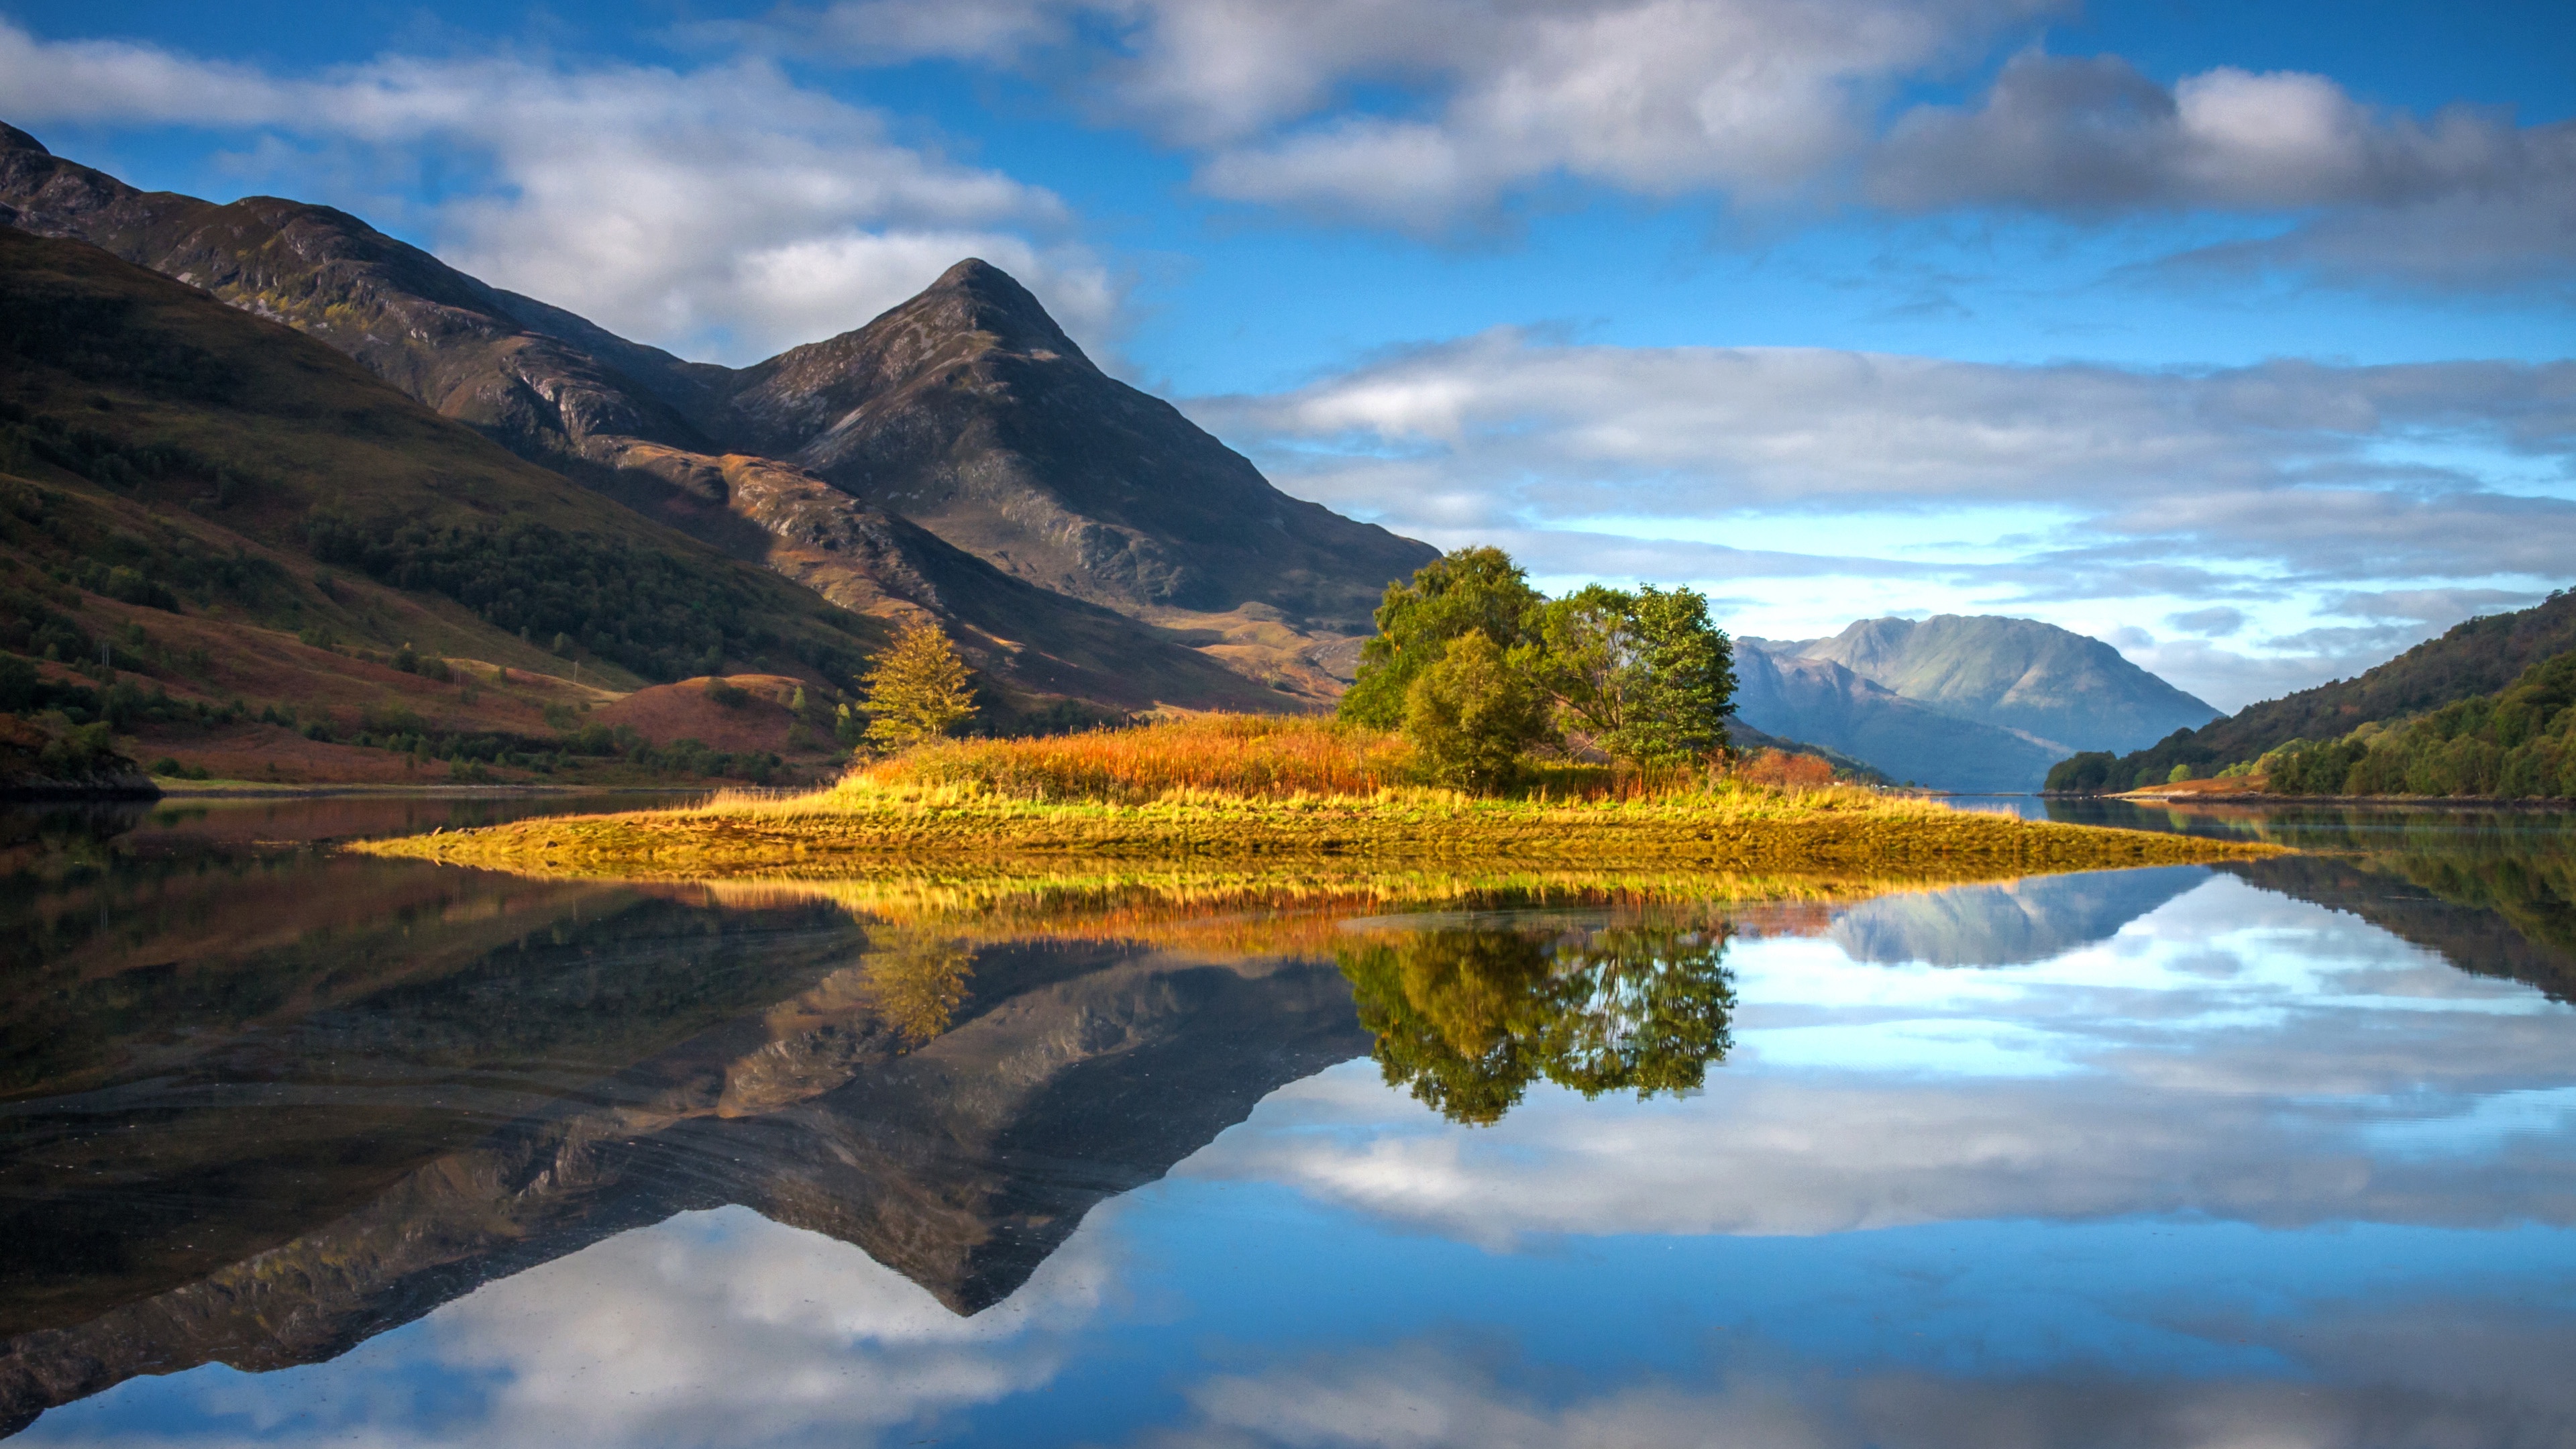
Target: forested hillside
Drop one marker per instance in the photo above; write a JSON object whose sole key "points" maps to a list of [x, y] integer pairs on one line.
{"points": [[2480, 657]]}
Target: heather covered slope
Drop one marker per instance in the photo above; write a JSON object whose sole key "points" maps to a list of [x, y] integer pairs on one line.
{"points": [[2480, 656], [190, 427], [2016, 674]]}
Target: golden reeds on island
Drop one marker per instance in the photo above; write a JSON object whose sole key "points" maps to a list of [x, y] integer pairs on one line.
{"points": [[1250, 789]]}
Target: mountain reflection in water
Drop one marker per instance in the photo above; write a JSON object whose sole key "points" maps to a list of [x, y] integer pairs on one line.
{"points": [[795, 1161]]}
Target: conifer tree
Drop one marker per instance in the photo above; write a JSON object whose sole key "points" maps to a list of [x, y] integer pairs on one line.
{"points": [[918, 690]]}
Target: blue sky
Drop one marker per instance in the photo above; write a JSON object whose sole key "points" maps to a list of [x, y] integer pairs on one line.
{"points": [[2236, 335]]}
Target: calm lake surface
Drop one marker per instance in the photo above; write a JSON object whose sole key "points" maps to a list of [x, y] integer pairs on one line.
{"points": [[297, 1146]]}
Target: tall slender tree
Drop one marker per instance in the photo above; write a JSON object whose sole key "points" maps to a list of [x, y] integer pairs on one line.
{"points": [[918, 690]]}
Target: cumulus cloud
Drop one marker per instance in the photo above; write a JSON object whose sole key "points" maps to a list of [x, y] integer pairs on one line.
{"points": [[2463, 198], [1423, 115], [723, 210], [2280, 465]]}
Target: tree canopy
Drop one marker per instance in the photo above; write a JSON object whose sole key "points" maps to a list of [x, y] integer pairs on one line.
{"points": [[1641, 675], [1476, 590], [919, 689]]}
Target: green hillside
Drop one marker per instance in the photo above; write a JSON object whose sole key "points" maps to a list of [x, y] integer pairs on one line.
{"points": [[2518, 743], [2482, 657]]}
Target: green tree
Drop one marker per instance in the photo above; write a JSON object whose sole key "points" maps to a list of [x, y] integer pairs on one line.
{"points": [[918, 690], [1644, 673], [1470, 716], [1468, 1019], [1476, 590]]}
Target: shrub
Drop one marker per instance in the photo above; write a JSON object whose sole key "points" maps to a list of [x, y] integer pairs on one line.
{"points": [[730, 696]]}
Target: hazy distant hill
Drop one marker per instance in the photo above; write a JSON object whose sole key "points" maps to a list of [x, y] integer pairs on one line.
{"points": [[1821, 701], [965, 412], [2478, 657], [2017, 674]]}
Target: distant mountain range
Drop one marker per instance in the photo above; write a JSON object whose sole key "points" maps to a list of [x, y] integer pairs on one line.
{"points": [[2480, 656], [1957, 703]]}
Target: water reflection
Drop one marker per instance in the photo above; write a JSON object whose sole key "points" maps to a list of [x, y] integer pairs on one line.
{"points": [[1468, 1016], [2282, 1152]]}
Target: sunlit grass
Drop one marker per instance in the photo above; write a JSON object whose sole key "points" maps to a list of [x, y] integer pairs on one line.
{"points": [[863, 823]]}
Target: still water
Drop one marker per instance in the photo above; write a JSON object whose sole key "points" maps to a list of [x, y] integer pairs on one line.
{"points": [[297, 1146]]}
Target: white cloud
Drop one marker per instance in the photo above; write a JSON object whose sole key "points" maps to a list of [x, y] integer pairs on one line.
{"points": [[723, 209], [2272, 487], [2464, 198], [1661, 97]]}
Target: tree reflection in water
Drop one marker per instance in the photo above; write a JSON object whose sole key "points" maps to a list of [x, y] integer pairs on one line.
{"points": [[1468, 1017]]}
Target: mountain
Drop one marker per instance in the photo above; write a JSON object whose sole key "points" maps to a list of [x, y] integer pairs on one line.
{"points": [[965, 412], [2062, 688], [2480, 656], [968, 410], [235, 512], [1820, 701]]}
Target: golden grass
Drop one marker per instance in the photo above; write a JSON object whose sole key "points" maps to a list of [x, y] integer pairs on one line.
{"points": [[1254, 756], [862, 826]]}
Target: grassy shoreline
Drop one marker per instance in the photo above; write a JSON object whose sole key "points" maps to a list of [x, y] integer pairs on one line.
{"points": [[862, 826]]}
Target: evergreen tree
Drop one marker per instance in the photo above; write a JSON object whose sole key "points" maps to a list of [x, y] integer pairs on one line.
{"points": [[918, 690]]}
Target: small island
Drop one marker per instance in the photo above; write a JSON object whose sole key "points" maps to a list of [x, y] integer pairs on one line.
{"points": [[1488, 724]]}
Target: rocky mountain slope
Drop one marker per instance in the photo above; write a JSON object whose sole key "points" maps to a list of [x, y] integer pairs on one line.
{"points": [[965, 412], [2480, 656], [1820, 701], [2061, 687]]}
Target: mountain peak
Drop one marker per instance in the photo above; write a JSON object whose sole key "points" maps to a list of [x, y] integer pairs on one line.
{"points": [[990, 300], [13, 139]]}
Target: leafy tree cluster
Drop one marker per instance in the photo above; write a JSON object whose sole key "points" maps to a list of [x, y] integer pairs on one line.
{"points": [[1477, 668], [2519, 743], [641, 608], [1467, 1019]]}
